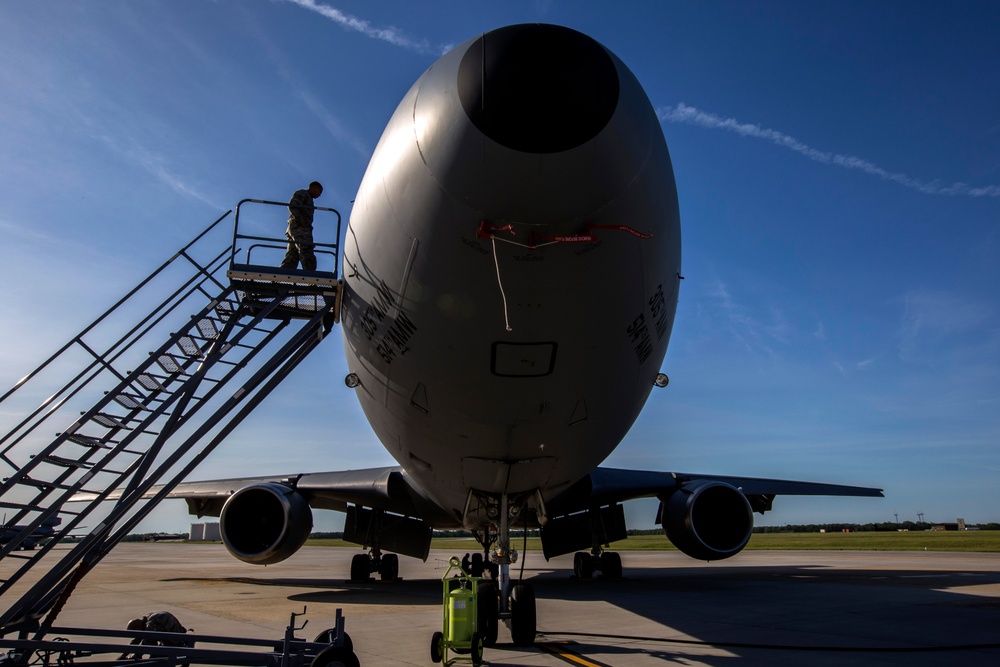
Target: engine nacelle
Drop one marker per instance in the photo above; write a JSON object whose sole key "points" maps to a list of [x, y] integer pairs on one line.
{"points": [[708, 520], [265, 523]]}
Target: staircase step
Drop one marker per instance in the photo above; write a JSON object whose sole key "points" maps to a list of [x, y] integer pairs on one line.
{"points": [[129, 402], [149, 382], [66, 463], [207, 328], [169, 364], [189, 346], [109, 421], [88, 441]]}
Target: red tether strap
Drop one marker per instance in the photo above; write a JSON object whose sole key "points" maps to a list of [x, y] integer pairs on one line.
{"points": [[487, 230], [622, 228]]}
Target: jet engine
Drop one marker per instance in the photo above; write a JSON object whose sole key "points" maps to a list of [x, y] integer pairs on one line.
{"points": [[265, 523], [707, 520]]}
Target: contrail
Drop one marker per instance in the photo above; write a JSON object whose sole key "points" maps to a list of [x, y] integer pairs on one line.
{"points": [[390, 35], [683, 113]]}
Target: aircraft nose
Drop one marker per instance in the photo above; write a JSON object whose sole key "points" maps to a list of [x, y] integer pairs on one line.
{"points": [[538, 88]]}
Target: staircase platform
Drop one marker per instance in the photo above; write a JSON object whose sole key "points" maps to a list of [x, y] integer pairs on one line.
{"points": [[301, 293], [255, 273]]}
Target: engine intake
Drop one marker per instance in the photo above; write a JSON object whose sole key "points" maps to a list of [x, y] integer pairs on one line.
{"points": [[265, 523], [708, 520]]}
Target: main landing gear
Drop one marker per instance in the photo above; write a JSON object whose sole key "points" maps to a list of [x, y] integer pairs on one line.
{"points": [[364, 565], [608, 563]]}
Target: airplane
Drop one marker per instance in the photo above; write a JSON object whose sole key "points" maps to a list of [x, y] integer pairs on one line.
{"points": [[511, 273], [36, 537]]}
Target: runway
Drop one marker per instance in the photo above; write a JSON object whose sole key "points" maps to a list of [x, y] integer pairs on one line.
{"points": [[758, 608]]}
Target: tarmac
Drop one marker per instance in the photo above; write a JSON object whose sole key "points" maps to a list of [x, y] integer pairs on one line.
{"points": [[758, 608]]}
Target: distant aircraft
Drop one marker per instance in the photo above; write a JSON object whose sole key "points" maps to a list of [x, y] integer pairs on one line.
{"points": [[512, 268], [43, 532]]}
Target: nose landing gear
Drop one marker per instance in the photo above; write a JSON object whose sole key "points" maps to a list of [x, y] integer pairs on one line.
{"points": [[514, 604]]}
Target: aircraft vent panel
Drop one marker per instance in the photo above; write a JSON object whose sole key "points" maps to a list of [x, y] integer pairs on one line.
{"points": [[523, 359]]}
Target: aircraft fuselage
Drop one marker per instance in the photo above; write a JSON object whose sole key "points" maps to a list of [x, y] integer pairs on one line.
{"points": [[512, 265]]}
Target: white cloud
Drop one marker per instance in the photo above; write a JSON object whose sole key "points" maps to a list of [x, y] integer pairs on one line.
{"points": [[753, 332], [934, 317], [389, 35], [332, 124], [133, 151], [293, 80], [683, 113], [819, 333]]}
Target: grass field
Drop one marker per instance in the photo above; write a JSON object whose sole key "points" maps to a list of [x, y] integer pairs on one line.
{"points": [[972, 540]]}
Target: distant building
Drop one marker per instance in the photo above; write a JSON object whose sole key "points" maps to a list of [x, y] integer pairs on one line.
{"points": [[205, 532], [958, 525]]}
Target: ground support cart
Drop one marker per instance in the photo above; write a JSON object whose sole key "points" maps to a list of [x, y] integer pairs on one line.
{"points": [[460, 632]]}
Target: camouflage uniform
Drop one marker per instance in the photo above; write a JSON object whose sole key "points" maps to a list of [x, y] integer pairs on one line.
{"points": [[300, 232], [156, 621], [164, 621]]}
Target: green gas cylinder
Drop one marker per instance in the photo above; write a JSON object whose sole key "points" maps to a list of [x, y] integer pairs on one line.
{"points": [[461, 614]]}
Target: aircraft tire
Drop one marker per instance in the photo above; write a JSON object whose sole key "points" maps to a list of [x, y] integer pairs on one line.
{"points": [[476, 566], [360, 567], [611, 565], [522, 615], [488, 614], [389, 571], [583, 566]]}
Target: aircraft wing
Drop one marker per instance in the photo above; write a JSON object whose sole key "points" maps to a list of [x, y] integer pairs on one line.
{"points": [[392, 490], [387, 489], [724, 522], [610, 485]]}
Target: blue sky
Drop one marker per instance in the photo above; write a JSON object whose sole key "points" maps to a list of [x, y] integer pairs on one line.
{"points": [[838, 168]]}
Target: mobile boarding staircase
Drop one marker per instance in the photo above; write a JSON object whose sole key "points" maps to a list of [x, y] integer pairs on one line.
{"points": [[131, 424]]}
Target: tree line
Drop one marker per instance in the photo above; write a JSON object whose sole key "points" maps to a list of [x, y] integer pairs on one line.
{"points": [[882, 527]]}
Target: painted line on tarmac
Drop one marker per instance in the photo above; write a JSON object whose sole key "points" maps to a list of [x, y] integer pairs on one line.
{"points": [[561, 651]]}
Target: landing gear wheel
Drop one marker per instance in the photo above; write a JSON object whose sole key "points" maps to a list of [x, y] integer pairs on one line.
{"points": [[476, 565], [488, 613], [437, 647], [329, 636], [583, 565], [389, 570], [336, 656], [360, 567], [522, 615], [611, 565], [477, 649]]}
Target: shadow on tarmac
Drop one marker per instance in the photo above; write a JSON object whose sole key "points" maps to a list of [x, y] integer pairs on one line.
{"points": [[780, 614]]}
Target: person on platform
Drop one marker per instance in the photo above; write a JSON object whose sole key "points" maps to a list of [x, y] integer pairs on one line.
{"points": [[300, 229]]}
